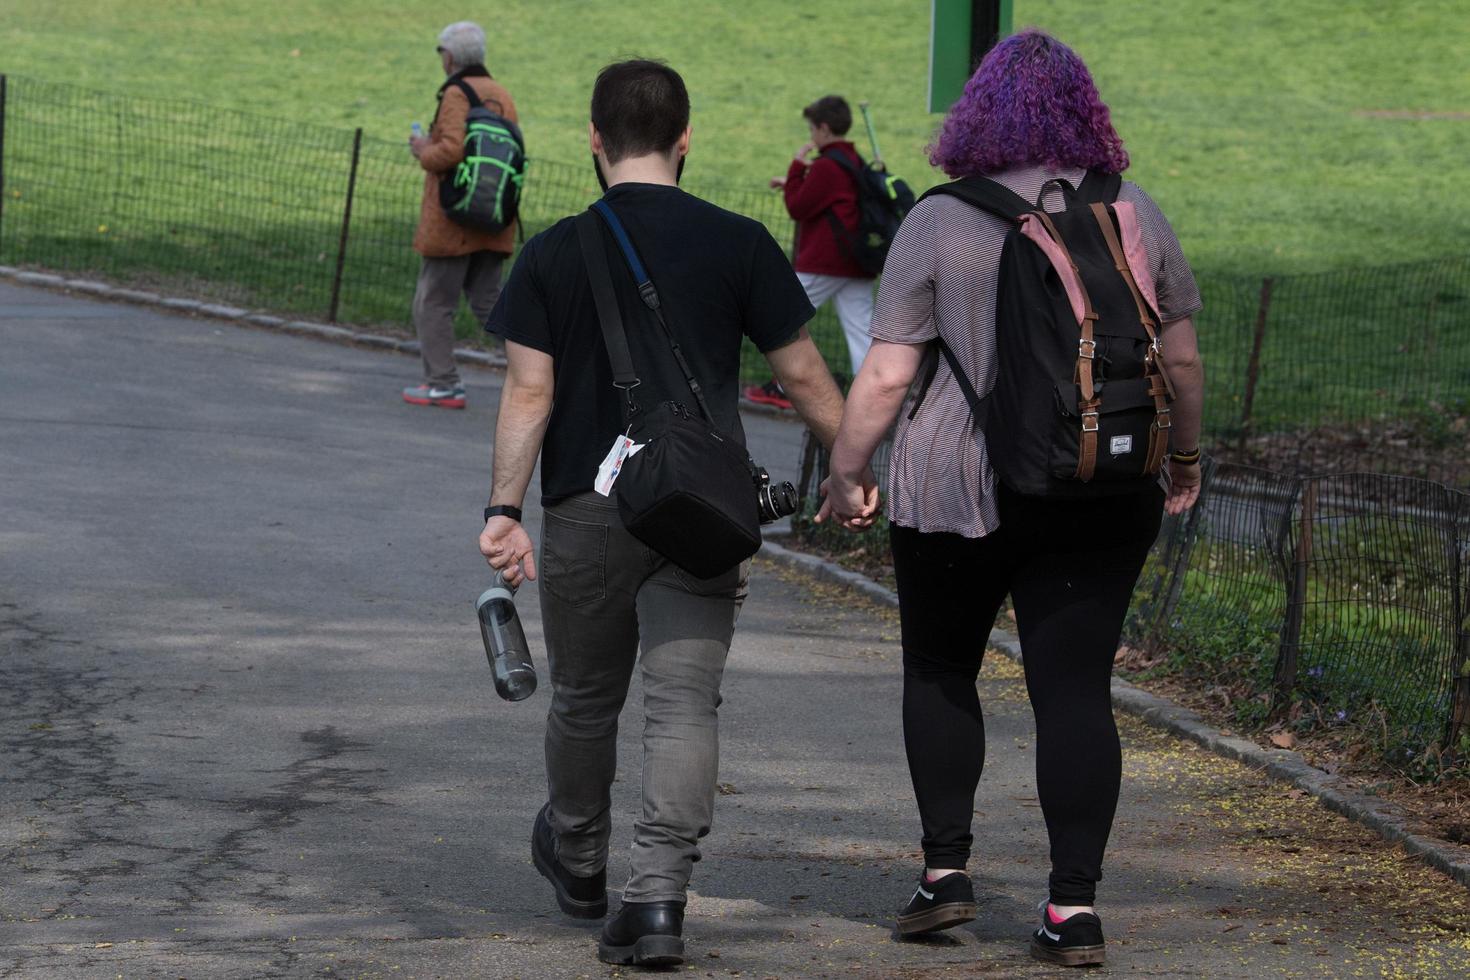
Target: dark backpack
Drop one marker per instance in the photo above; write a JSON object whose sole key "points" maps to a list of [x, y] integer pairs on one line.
{"points": [[882, 200], [1079, 409], [484, 191]]}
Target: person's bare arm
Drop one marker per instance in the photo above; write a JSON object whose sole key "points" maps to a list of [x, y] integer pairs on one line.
{"points": [[525, 408], [804, 376], [872, 405], [1186, 370]]}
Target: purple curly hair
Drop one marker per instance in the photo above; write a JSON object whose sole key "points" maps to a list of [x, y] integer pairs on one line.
{"points": [[1031, 101]]}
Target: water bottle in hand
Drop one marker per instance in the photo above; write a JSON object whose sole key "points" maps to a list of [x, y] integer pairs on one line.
{"points": [[505, 642], [418, 131]]}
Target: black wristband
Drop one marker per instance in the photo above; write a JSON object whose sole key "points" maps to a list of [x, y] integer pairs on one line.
{"points": [[503, 510], [1187, 459]]}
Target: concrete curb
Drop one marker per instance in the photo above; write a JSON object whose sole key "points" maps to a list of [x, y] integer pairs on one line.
{"points": [[222, 311], [1287, 766]]}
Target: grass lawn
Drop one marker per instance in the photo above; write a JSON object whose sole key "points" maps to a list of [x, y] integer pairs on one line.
{"points": [[1278, 137], [1281, 140]]}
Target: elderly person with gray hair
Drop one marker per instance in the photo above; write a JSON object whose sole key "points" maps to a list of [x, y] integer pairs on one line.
{"points": [[456, 259]]}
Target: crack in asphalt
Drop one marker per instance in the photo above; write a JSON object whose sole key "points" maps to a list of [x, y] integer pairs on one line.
{"points": [[308, 780], [81, 795], [83, 809]]}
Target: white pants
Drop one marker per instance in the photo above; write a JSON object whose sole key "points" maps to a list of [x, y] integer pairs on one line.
{"points": [[853, 300]]}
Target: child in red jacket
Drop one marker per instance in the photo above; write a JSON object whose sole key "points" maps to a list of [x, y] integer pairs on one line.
{"points": [[822, 198]]}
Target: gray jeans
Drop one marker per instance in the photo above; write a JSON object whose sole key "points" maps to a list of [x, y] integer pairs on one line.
{"points": [[441, 281], [602, 592]]}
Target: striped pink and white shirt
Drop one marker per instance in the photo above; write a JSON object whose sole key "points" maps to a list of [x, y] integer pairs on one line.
{"points": [[940, 281]]}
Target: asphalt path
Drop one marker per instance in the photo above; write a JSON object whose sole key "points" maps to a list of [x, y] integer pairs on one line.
{"points": [[247, 728]]}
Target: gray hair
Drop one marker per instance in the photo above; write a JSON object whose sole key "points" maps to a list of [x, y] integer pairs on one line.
{"points": [[465, 42]]}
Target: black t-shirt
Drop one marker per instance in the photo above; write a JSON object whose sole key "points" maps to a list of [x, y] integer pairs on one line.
{"points": [[720, 277]]}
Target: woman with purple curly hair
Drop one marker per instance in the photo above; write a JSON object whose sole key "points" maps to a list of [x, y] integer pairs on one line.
{"points": [[963, 540]]}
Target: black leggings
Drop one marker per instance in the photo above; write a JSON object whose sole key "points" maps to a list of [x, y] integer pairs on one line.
{"points": [[1070, 568]]}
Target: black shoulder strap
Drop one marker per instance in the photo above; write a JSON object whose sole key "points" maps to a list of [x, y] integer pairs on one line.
{"points": [[1098, 187], [649, 295], [854, 170], [589, 236], [979, 407], [987, 195], [469, 93]]}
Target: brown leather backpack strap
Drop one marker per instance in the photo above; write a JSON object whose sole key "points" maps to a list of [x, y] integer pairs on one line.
{"points": [[1088, 405], [1159, 386], [1088, 402]]}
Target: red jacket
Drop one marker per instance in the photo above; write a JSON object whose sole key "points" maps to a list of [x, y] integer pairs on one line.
{"points": [[812, 190]]}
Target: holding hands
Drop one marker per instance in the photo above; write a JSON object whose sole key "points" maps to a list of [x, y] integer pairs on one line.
{"points": [[852, 503]]}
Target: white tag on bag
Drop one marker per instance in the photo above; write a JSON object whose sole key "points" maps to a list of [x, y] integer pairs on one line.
{"points": [[612, 464]]}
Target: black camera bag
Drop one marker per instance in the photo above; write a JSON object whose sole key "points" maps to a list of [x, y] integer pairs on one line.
{"points": [[689, 494]]}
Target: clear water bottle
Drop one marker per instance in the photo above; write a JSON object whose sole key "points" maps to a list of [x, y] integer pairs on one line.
{"points": [[505, 642]]}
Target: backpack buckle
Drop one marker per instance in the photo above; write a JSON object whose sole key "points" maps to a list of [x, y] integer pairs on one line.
{"points": [[1162, 420], [1093, 426], [1087, 347]]}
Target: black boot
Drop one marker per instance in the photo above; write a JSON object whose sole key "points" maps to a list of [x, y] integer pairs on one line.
{"points": [[581, 898], [644, 934]]}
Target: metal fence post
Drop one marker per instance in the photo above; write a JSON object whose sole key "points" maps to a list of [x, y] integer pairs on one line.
{"points": [[3, 104], [346, 223], [1296, 602], [1459, 722], [1253, 369]]}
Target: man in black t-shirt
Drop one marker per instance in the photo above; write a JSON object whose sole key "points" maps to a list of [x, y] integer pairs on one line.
{"points": [[721, 278]]}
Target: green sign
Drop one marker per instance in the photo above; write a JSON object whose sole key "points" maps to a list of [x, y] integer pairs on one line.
{"points": [[960, 32]]}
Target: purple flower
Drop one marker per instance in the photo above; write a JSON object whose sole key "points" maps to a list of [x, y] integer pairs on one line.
{"points": [[1316, 671], [1342, 716]]}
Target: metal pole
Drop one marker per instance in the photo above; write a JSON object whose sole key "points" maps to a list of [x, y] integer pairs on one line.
{"points": [[1460, 673], [346, 223], [990, 20], [3, 104], [1253, 369], [1296, 603], [872, 133]]}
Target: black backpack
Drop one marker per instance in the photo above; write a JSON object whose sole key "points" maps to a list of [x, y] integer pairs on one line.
{"points": [[883, 200], [1079, 409], [484, 191]]}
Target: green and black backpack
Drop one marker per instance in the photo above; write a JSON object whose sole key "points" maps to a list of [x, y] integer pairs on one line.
{"points": [[484, 191]]}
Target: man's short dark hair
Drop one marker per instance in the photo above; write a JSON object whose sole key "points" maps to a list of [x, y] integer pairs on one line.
{"points": [[639, 107], [832, 110]]}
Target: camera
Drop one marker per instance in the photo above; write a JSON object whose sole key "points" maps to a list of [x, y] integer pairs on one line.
{"points": [[773, 501]]}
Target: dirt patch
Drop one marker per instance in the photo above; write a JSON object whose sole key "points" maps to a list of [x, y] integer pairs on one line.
{"points": [[1430, 448]]}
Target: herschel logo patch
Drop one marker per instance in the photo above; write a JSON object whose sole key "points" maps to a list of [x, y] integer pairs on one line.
{"points": [[1121, 445]]}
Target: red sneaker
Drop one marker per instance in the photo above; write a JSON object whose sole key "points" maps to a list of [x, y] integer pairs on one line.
{"points": [[769, 393], [433, 395]]}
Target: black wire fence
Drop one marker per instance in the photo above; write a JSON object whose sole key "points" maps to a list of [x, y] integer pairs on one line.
{"points": [[1319, 602], [1341, 594], [191, 199], [1308, 602], [314, 221]]}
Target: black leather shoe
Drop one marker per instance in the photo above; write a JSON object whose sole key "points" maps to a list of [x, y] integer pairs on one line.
{"points": [[644, 934], [581, 898]]}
